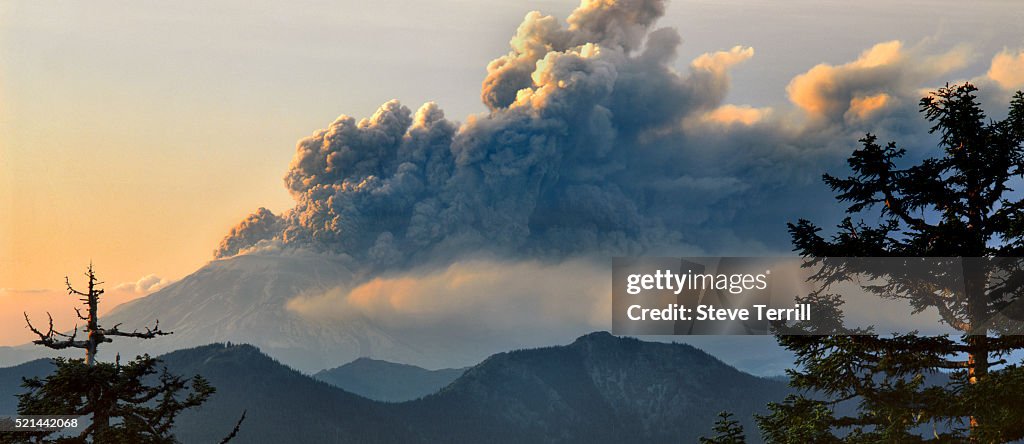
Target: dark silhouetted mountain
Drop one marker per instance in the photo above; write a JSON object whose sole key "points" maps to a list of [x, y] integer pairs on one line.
{"points": [[10, 382], [599, 389], [283, 405], [388, 381]]}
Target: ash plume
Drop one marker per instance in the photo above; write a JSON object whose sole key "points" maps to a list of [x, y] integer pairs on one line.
{"points": [[595, 142]]}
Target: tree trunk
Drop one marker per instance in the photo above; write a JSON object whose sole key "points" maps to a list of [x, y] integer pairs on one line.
{"points": [[975, 279], [100, 415], [93, 327]]}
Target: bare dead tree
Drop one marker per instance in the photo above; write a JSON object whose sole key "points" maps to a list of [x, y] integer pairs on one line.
{"points": [[96, 333], [124, 407]]}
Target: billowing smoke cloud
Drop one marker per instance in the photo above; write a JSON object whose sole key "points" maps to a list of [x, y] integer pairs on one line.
{"points": [[594, 143], [620, 26], [547, 172], [261, 226]]}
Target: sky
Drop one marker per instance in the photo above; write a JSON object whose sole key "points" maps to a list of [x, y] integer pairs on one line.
{"points": [[135, 134]]}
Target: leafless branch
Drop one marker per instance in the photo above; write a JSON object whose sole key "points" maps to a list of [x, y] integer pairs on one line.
{"points": [[148, 334], [49, 339], [71, 290]]}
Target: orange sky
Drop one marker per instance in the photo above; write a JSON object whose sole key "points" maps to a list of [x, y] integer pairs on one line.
{"points": [[125, 191]]}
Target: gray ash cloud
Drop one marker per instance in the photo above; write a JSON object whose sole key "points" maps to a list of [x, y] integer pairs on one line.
{"points": [[594, 143]]}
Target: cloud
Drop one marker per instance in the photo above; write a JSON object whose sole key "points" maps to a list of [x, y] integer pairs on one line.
{"points": [[24, 290], [1007, 69], [720, 61], [876, 79], [616, 25], [263, 225], [476, 298], [594, 144], [732, 114], [144, 285], [863, 107], [545, 173]]}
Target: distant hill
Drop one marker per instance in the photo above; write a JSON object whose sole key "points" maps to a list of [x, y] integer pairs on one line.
{"points": [[284, 406], [10, 382], [388, 381], [599, 389]]}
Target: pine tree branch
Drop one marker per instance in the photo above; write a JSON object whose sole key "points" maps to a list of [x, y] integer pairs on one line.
{"points": [[146, 421], [948, 315], [954, 365], [234, 431], [895, 206], [89, 431]]}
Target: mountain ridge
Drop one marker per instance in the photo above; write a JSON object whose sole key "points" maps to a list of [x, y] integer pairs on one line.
{"points": [[382, 380], [597, 389]]}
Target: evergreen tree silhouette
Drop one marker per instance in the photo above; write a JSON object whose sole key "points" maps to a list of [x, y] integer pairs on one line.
{"points": [[727, 431], [957, 209]]}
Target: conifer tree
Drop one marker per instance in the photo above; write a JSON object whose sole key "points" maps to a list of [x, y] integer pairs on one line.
{"points": [[131, 403], [959, 208], [727, 431]]}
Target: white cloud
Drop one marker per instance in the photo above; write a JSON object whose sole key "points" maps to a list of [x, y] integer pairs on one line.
{"points": [[146, 284], [1007, 69]]}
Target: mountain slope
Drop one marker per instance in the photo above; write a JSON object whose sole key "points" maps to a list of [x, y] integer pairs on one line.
{"points": [[10, 382], [282, 404], [599, 389], [388, 381], [244, 299]]}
